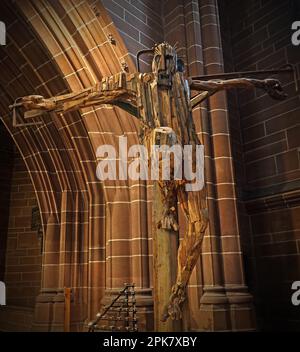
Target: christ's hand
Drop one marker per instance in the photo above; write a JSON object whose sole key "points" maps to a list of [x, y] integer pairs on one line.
{"points": [[274, 89]]}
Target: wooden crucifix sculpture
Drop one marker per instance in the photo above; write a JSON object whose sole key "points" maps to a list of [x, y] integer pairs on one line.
{"points": [[162, 101]]}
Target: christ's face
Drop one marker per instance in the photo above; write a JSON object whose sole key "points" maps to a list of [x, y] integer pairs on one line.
{"points": [[164, 62]]}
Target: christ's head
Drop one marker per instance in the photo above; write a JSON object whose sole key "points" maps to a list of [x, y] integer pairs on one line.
{"points": [[164, 63]]}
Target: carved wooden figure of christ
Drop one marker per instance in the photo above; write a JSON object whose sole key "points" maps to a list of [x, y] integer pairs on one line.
{"points": [[161, 98]]}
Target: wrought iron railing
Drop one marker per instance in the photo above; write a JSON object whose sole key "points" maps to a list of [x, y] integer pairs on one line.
{"points": [[119, 315]]}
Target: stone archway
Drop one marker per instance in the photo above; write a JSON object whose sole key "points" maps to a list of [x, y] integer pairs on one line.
{"points": [[66, 48]]}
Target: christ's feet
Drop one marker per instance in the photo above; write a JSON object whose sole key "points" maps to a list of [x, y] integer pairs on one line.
{"points": [[173, 308]]}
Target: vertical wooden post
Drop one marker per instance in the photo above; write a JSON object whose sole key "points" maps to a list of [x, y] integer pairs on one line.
{"points": [[165, 245], [67, 322]]}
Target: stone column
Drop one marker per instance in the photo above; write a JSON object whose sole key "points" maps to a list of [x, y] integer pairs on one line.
{"points": [[126, 254], [226, 231]]}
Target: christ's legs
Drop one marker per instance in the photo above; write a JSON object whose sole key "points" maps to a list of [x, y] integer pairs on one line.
{"points": [[194, 206]]}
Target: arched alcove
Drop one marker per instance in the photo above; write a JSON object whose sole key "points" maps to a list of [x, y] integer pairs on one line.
{"points": [[65, 46]]}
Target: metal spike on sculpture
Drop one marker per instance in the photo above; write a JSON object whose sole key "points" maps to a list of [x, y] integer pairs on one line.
{"points": [[162, 101]]}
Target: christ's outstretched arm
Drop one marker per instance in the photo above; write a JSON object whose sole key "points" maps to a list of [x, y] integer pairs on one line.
{"points": [[208, 88], [114, 90]]}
